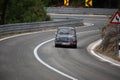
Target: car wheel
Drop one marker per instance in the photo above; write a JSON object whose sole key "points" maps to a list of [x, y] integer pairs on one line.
{"points": [[74, 46], [56, 45]]}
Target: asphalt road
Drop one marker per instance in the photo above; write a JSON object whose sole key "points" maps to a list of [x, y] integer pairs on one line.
{"points": [[19, 62]]}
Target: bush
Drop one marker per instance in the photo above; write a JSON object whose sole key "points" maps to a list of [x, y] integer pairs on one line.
{"points": [[19, 11]]}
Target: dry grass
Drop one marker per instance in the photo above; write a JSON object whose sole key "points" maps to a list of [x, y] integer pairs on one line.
{"points": [[108, 52], [108, 45]]}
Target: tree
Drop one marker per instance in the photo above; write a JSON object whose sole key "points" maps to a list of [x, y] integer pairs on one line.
{"points": [[47, 2], [3, 9], [106, 3], [19, 11], [77, 2]]}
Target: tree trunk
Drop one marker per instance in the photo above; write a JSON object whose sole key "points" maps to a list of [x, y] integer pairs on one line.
{"points": [[3, 13]]}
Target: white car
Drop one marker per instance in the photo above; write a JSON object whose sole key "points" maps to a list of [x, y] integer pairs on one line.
{"points": [[66, 36]]}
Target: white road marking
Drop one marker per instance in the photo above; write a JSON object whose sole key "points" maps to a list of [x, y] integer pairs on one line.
{"points": [[36, 54], [23, 34], [48, 66], [85, 25], [76, 15], [91, 48]]}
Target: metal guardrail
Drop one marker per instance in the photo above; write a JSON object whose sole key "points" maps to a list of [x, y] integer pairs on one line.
{"points": [[94, 11], [24, 27]]}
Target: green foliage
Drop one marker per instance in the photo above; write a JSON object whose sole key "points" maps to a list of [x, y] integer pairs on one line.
{"points": [[19, 11], [47, 2], [61, 2], [119, 7], [77, 2]]}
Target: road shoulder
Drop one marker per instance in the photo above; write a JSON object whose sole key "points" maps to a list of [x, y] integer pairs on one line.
{"points": [[91, 50]]}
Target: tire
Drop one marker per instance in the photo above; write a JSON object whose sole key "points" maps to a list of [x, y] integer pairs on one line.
{"points": [[56, 45], [74, 46]]}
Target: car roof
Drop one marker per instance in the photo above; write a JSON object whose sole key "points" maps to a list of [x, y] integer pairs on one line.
{"points": [[65, 27], [66, 30]]}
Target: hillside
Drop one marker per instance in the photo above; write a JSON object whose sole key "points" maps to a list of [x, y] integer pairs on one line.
{"points": [[108, 45]]}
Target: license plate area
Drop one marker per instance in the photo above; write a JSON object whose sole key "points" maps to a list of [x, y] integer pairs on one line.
{"points": [[65, 43]]}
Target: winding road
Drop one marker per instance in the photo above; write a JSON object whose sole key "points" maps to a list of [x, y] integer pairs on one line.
{"points": [[33, 57]]}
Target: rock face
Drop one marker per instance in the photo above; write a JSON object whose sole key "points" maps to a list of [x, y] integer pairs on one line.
{"points": [[109, 43], [109, 36]]}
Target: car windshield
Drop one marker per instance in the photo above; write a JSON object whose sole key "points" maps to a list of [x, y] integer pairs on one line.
{"points": [[66, 31]]}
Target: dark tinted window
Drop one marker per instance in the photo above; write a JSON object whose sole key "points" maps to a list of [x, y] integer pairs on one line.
{"points": [[66, 31]]}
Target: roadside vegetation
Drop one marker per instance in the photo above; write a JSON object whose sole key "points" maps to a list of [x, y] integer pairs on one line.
{"points": [[19, 11], [81, 3]]}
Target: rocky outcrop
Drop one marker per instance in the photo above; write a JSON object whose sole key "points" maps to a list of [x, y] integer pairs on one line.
{"points": [[109, 36]]}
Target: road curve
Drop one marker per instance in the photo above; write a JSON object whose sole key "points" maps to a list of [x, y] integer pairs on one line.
{"points": [[18, 62]]}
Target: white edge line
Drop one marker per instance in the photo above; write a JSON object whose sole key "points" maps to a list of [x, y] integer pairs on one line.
{"points": [[13, 36], [86, 25], [91, 48], [36, 55], [48, 66]]}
